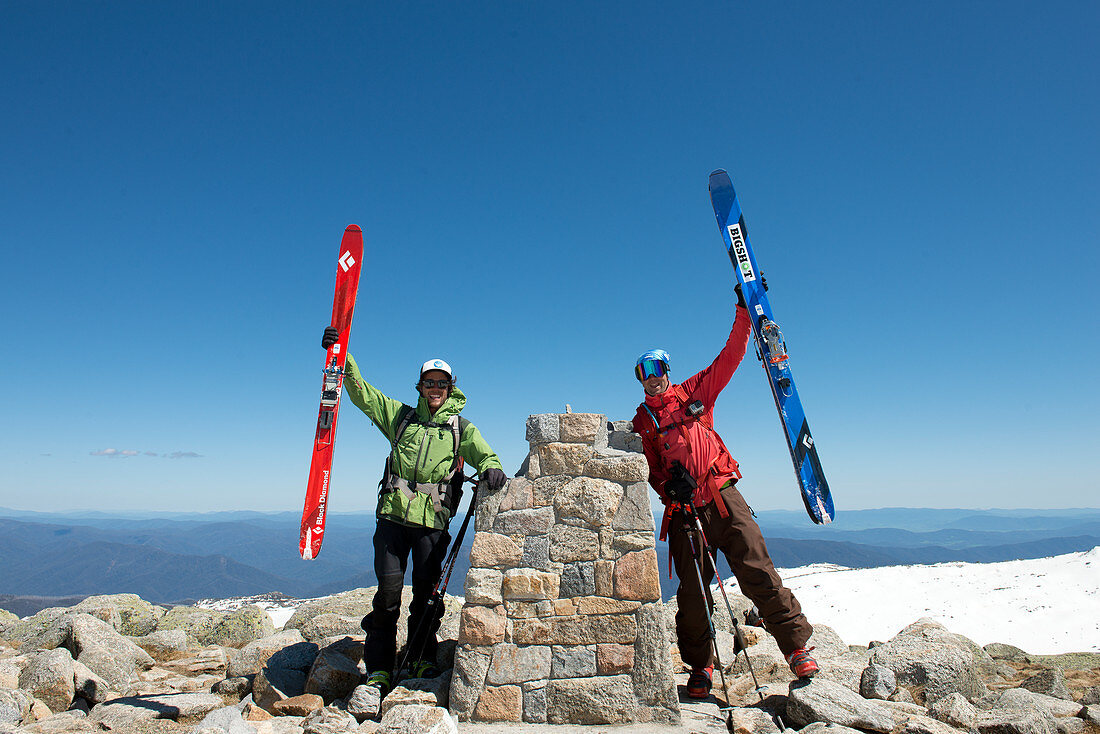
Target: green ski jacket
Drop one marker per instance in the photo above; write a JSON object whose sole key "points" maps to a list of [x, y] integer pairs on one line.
{"points": [[437, 458]]}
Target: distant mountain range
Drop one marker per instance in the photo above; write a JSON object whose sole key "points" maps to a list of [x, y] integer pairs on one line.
{"points": [[180, 557]]}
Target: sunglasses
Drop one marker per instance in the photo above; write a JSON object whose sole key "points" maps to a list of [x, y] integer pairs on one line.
{"points": [[650, 368], [435, 383]]}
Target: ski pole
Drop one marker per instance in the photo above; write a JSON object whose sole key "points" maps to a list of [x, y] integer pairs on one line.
{"points": [[698, 564], [738, 636], [418, 639]]}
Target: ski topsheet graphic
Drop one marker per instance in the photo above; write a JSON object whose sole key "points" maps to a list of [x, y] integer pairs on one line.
{"points": [[772, 350], [348, 266]]}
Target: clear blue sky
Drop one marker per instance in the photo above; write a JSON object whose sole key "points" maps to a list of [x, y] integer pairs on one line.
{"points": [[921, 183]]}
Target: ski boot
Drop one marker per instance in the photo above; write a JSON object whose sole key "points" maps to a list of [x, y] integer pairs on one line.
{"points": [[380, 679], [424, 669], [801, 663], [699, 682]]}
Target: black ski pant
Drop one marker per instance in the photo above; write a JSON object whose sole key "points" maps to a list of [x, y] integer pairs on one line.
{"points": [[739, 538], [393, 545]]}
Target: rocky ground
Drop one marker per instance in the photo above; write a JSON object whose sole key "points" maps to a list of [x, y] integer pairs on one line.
{"points": [[117, 663]]}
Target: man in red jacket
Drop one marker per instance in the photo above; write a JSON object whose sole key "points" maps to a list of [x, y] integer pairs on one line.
{"points": [[689, 465]]}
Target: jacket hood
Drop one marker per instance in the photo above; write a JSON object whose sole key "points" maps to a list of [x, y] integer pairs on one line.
{"points": [[452, 406]]}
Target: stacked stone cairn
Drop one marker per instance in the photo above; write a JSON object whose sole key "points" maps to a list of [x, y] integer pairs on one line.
{"points": [[563, 621]]}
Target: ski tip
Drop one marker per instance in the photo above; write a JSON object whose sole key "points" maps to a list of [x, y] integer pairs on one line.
{"points": [[719, 179], [719, 172], [352, 228]]}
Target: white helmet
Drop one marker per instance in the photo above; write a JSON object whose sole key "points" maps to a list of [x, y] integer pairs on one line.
{"points": [[437, 364]]}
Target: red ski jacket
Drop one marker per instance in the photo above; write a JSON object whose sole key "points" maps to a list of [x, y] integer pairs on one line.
{"points": [[670, 435]]}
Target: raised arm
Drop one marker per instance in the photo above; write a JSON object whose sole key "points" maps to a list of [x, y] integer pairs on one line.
{"points": [[709, 383], [382, 410]]}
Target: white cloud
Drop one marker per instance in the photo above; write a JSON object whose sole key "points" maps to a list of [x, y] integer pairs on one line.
{"points": [[183, 455], [115, 452], [126, 453]]}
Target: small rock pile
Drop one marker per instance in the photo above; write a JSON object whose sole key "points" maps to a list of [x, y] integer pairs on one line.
{"points": [[563, 620]]}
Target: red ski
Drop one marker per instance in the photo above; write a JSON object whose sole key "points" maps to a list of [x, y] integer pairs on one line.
{"points": [[332, 381]]}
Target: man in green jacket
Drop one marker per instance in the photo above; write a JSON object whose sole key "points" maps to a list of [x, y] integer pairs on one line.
{"points": [[415, 504]]}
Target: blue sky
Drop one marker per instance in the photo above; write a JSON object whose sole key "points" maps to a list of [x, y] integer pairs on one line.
{"points": [[920, 183]]}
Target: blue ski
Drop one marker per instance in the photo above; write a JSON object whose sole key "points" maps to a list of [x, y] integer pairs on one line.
{"points": [[772, 351]]}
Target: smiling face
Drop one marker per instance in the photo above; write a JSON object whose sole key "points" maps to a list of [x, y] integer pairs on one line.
{"points": [[655, 385], [436, 394]]}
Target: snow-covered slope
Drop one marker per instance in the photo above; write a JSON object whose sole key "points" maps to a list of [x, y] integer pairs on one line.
{"points": [[1045, 606]]}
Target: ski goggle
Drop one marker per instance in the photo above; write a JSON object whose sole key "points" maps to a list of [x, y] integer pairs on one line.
{"points": [[650, 368]]}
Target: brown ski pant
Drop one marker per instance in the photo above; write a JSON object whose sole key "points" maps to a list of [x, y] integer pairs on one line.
{"points": [[739, 538]]}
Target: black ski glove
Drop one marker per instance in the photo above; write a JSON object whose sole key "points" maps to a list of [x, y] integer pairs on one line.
{"points": [[741, 296], [680, 490], [330, 337], [494, 478]]}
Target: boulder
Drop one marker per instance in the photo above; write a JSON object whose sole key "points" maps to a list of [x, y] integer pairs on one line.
{"points": [[820, 727], [111, 656], [436, 690], [955, 710], [418, 719], [10, 670], [329, 720], [402, 696], [164, 645], [226, 720], [280, 725], [335, 671], [49, 677], [1015, 713], [134, 712], [933, 662], [364, 702], [242, 626], [275, 684], [302, 705], [325, 625], [821, 700], [1001, 651], [14, 706], [236, 688], [288, 649], [64, 722], [847, 670], [1051, 682], [46, 630], [135, 616], [1091, 714], [353, 603], [918, 724], [877, 681], [1056, 706], [198, 623]]}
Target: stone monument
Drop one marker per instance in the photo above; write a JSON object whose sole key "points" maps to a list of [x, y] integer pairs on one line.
{"points": [[562, 622]]}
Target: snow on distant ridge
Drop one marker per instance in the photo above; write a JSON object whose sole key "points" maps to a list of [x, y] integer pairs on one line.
{"points": [[278, 606], [1044, 606]]}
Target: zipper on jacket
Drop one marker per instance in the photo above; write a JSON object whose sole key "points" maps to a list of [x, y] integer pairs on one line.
{"points": [[416, 467]]}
